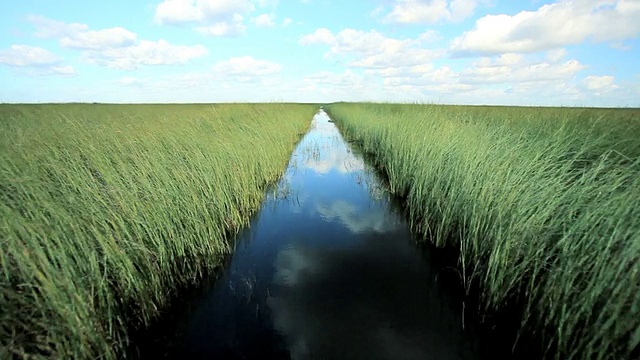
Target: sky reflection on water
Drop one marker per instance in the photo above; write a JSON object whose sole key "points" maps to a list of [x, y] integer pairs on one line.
{"points": [[327, 270]]}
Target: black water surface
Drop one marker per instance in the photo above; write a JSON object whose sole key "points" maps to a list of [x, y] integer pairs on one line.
{"points": [[327, 270]]}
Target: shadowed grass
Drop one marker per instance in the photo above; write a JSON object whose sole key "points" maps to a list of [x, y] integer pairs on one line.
{"points": [[106, 209], [544, 205]]}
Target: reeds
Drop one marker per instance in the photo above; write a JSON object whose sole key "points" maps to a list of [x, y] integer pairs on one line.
{"points": [[544, 205], [105, 210]]}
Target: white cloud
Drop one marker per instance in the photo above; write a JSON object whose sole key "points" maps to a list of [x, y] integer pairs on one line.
{"points": [[177, 12], [351, 86], [233, 27], [507, 69], [24, 55], [226, 81], [600, 83], [265, 20], [371, 49], [379, 57], [552, 26], [115, 47], [36, 60], [145, 53], [78, 36], [113, 37], [550, 78], [320, 36], [246, 66], [505, 79], [346, 80], [377, 11], [213, 11], [215, 17], [65, 70], [429, 11], [512, 68], [231, 72], [435, 84], [287, 22], [128, 81], [556, 55], [267, 3]]}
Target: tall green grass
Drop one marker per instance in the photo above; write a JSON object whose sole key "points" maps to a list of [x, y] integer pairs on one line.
{"points": [[544, 205], [106, 209]]}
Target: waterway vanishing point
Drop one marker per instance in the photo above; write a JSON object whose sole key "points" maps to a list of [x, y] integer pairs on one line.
{"points": [[327, 269]]}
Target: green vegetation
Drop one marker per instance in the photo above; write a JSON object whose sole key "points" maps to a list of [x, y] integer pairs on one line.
{"points": [[544, 205], [106, 209]]}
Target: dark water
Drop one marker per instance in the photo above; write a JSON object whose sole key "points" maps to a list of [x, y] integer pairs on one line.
{"points": [[327, 270]]}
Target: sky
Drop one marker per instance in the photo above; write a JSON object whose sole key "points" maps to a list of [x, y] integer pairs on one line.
{"points": [[503, 52]]}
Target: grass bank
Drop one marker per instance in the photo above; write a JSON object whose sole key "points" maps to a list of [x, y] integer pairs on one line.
{"points": [[106, 209], [543, 204]]}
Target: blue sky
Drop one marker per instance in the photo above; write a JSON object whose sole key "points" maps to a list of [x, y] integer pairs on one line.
{"points": [[529, 52]]}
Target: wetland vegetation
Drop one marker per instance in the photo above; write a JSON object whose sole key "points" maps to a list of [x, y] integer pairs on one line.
{"points": [[543, 205], [106, 210]]}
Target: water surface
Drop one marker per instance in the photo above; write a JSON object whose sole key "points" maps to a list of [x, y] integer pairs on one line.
{"points": [[327, 270]]}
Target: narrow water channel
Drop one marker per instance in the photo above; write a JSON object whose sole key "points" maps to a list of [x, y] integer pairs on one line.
{"points": [[327, 270]]}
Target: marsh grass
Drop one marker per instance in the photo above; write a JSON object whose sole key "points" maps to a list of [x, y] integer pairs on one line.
{"points": [[106, 209], [543, 204]]}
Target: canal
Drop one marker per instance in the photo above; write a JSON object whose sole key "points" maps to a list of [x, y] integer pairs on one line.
{"points": [[327, 269]]}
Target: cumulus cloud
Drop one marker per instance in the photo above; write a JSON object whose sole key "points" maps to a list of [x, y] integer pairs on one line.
{"points": [[350, 85], [35, 60], [600, 84], [233, 27], [371, 49], [184, 11], [504, 79], [114, 37], [267, 3], [391, 68], [506, 69], [379, 57], [618, 93], [214, 17], [114, 47], [145, 53], [65, 70], [265, 20], [287, 22], [235, 77], [345, 80], [320, 36], [78, 36], [24, 55], [428, 11], [552, 26], [246, 66], [515, 68]]}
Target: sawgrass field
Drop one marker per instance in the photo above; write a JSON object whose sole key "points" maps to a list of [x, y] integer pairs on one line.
{"points": [[106, 210], [542, 203]]}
